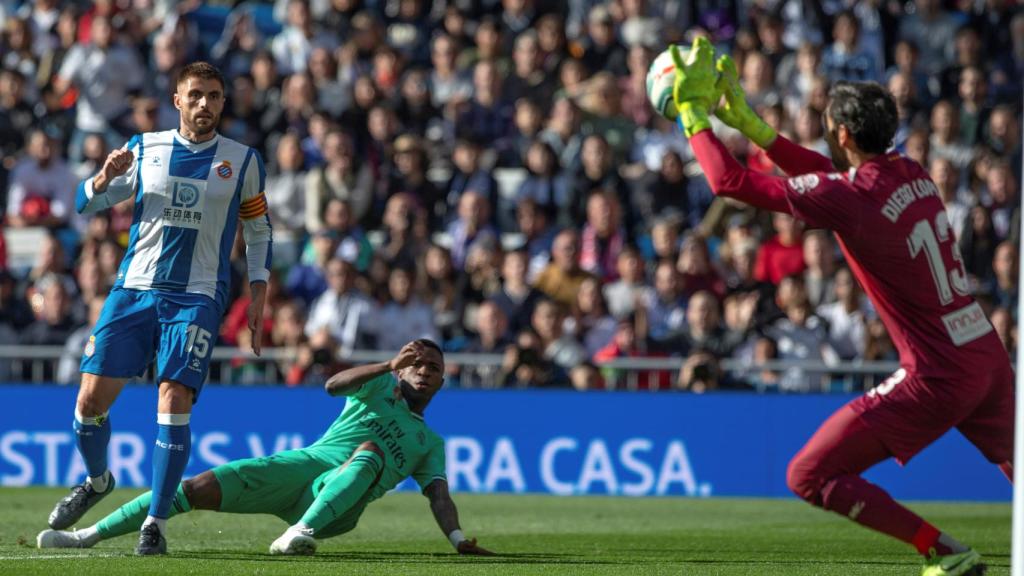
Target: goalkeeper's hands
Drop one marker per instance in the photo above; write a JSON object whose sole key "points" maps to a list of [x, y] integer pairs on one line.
{"points": [[469, 548], [735, 111], [694, 91]]}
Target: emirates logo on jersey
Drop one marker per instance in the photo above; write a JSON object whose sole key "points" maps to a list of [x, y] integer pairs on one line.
{"points": [[224, 170]]}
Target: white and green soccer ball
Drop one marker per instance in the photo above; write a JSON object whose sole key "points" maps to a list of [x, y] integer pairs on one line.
{"points": [[661, 76]]}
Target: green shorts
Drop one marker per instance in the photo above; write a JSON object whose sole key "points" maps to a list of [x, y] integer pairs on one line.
{"points": [[283, 484]]}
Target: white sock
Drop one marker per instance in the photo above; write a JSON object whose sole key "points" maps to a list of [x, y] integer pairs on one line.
{"points": [[953, 544], [88, 536], [161, 523], [100, 483], [301, 527]]}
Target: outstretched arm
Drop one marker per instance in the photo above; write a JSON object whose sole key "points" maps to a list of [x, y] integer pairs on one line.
{"points": [[728, 178], [447, 517], [795, 159]]}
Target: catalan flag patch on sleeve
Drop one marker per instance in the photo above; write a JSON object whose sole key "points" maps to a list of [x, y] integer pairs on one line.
{"points": [[253, 207]]}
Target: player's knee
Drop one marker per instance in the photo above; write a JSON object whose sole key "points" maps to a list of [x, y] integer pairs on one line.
{"points": [[803, 481], [371, 446], [89, 405], [202, 492], [175, 397]]}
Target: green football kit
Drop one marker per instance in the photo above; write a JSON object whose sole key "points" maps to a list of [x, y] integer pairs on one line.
{"points": [[327, 484]]}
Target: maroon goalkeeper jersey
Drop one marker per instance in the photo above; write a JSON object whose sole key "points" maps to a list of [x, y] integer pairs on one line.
{"points": [[893, 229]]}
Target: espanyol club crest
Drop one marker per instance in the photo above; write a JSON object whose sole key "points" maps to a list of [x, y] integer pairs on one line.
{"points": [[224, 170], [90, 347]]}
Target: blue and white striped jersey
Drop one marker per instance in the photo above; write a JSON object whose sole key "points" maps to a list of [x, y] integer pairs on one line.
{"points": [[189, 198]]}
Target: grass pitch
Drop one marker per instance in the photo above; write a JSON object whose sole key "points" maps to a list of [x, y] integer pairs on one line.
{"points": [[533, 534]]}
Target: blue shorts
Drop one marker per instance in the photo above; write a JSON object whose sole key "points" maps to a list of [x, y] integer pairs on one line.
{"points": [[181, 328]]}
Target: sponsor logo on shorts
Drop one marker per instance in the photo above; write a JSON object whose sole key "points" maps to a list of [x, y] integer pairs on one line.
{"points": [[90, 346], [967, 324]]}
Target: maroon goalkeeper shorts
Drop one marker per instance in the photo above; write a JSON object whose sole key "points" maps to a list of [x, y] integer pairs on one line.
{"points": [[908, 412]]}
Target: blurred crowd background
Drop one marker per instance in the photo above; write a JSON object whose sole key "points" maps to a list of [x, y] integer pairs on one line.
{"points": [[489, 173]]}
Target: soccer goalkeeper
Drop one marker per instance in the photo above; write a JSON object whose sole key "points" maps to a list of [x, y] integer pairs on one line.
{"points": [[893, 230], [379, 439]]}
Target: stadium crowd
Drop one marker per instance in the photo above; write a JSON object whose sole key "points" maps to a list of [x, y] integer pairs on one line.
{"points": [[489, 174]]}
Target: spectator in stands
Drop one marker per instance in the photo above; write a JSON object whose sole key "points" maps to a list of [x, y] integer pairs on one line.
{"points": [[104, 74], [333, 97], [633, 86], [700, 373], [589, 321], [665, 241], [562, 131], [410, 177], [415, 110], [472, 225], [42, 186], [626, 293], [405, 318], [947, 180], [488, 45], [439, 290], [524, 364], [879, 347], [844, 59], [757, 77], [538, 235], [293, 111], [339, 177], [468, 174], [561, 279], [481, 278], [558, 347], [967, 52], [1006, 329], [94, 153], [847, 317], [16, 116], [545, 184], [628, 343], [1002, 289], [819, 276], [945, 136], [294, 45], [307, 281], [236, 321], [782, 254], [600, 48], [53, 325], [491, 337], [978, 245], [287, 199], [15, 312], [50, 260], [316, 360], [933, 30], [696, 272], [597, 171], [527, 122], [661, 192], [287, 333], [343, 311], [665, 306], [702, 331], [603, 236], [973, 102], [447, 83], [586, 376], [803, 336], [488, 116], [1001, 197], [77, 343], [516, 297], [401, 244], [528, 79]]}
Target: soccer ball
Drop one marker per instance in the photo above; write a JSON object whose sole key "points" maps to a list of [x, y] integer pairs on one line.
{"points": [[660, 78]]}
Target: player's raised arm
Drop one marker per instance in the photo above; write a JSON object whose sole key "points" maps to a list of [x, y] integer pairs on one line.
{"points": [[447, 517], [694, 92], [348, 382], [116, 181], [258, 242], [736, 112]]}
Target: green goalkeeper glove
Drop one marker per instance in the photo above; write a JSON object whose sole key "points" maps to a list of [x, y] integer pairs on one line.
{"points": [[694, 91], [736, 112]]}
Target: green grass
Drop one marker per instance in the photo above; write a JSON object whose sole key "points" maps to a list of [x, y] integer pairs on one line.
{"points": [[534, 534]]}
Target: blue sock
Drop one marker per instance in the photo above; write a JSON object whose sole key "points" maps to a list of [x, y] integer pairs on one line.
{"points": [[93, 434], [170, 456]]}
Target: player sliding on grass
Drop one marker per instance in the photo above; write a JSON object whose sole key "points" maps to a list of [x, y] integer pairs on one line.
{"points": [[379, 439], [895, 234]]}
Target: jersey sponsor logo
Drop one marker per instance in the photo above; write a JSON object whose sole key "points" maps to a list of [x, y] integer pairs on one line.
{"points": [[967, 324], [224, 170], [805, 183], [185, 209], [90, 346]]}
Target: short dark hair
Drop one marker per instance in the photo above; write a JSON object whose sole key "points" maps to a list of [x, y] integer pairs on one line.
{"points": [[868, 112], [202, 70], [430, 344]]}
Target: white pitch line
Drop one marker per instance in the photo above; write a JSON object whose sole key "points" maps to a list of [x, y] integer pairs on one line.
{"points": [[59, 556]]}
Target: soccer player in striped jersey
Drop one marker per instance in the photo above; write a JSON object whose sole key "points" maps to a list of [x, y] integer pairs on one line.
{"points": [[191, 187]]}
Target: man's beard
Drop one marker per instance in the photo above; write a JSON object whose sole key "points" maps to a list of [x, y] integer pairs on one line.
{"points": [[836, 151], [203, 131]]}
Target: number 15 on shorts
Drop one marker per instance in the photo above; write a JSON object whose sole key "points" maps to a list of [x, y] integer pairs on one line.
{"points": [[197, 346]]}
